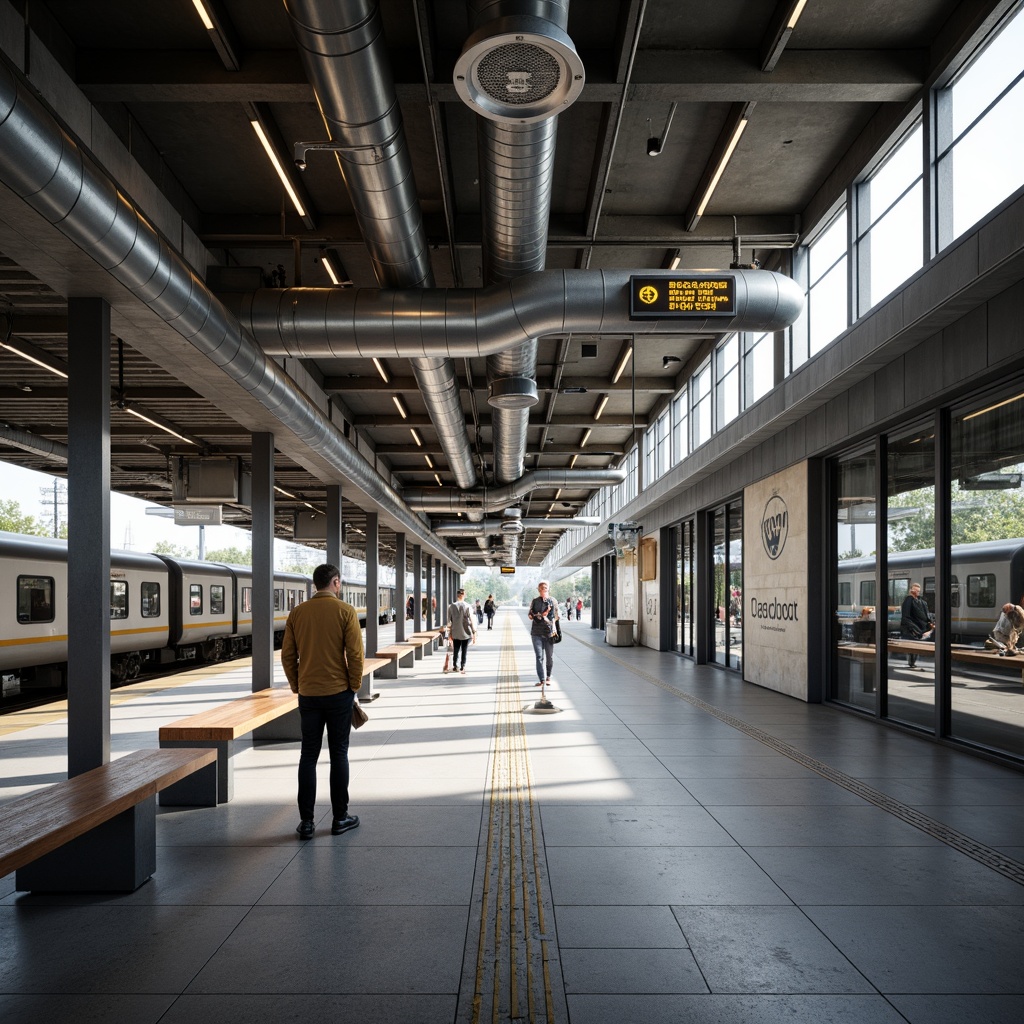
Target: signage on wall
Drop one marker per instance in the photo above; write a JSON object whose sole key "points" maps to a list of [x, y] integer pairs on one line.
{"points": [[681, 298], [774, 526]]}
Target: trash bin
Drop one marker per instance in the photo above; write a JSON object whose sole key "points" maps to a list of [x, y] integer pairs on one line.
{"points": [[618, 632]]}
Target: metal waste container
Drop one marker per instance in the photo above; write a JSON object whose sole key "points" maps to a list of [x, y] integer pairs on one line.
{"points": [[618, 632]]}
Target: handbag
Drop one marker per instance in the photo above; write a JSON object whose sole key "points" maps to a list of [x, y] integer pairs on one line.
{"points": [[556, 636], [359, 716]]}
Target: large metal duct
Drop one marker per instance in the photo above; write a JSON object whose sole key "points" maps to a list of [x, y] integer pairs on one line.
{"points": [[35, 443], [44, 166], [317, 323], [518, 70], [491, 527], [441, 501], [343, 52]]}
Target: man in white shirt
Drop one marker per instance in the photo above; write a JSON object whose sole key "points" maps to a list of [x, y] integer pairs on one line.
{"points": [[462, 630]]}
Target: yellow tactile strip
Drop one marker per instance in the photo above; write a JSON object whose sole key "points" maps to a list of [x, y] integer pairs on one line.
{"points": [[511, 970]]}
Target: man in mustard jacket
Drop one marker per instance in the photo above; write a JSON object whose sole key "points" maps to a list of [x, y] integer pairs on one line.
{"points": [[322, 656]]}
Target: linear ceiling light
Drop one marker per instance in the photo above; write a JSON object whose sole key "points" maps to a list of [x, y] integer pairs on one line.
{"points": [[572, 461], [17, 351], [330, 270], [438, 479], [287, 494], [430, 461], [154, 421], [623, 362], [586, 437], [399, 405], [274, 159], [795, 16], [381, 370], [204, 14], [722, 163], [600, 406], [416, 437]]}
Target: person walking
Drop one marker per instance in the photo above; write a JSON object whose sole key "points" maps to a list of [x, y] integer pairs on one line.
{"points": [[489, 609], [543, 615], [579, 608], [479, 612], [460, 625], [915, 620], [322, 657]]}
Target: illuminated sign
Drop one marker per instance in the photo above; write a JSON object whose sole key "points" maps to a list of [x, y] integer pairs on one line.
{"points": [[681, 297], [508, 570], [197, 515]]}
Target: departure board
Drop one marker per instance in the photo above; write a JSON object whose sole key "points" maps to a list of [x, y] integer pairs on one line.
{"points": [[508, 570], [682, 297]]}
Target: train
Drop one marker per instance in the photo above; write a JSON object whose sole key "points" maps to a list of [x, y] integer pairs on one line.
{"points": [[163, 611], [983, 577]]}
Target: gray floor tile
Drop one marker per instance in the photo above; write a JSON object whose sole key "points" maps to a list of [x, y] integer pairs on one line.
{"points": [[271, 1009], [929, 949], [311, 950], [133, 949], [631, 826], [731, 1009], [667, 792], [618, 928], [765, 949], [661, 875], [231, 824], [885, 876], [551, 767], [768, 766], [89, 1009], [638, 971], [974, 1009], [811, 790]]}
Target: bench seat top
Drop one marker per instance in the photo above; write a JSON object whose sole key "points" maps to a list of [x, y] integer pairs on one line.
{"points": [[372, 664], [233, 719], [393, 651], [37, 823]]}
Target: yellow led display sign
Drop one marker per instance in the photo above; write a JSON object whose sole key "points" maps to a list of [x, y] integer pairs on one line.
{"points": [[681, 297], [508, 570]]}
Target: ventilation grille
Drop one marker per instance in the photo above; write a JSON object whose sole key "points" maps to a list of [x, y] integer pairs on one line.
{"points": [[518, 74]]}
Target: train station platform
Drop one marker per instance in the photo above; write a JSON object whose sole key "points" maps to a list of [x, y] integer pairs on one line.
{"points": [[670, 844]]}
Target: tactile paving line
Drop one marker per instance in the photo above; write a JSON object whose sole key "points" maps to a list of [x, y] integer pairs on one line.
{"points": [[1006, 866], [511, 970]]}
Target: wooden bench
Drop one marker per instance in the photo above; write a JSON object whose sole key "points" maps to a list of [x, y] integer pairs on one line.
{"points": [[400, 654], [97, 831], [430, 639], [370, 667], [865, 653]]}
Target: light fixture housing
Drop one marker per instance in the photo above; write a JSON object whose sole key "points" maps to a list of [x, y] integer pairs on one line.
{"points": [[381, 369], [268, 148], [623, 363], [400, 406], [161, 424], [601, 406]]}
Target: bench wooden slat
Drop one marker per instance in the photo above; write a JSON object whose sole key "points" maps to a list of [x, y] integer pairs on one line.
{"points": [[38, 823], [372, 664], [235, 718]]}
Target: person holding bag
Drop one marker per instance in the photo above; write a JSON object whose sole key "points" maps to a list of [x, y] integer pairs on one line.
{"points": [[543, 627], [460, 623]]}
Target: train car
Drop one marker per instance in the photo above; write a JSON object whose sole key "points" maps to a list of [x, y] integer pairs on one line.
{"points": [[984, 576], [353, 592]]}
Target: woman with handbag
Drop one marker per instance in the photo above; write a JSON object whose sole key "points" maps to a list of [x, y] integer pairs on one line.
{"points": [[543, 629]]}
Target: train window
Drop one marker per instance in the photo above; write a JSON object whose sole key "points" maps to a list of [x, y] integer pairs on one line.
{"points": [[845, 594], [292, 600], [867, 592], [981, 590], [278, 599], [195, 599], [35, 599], [954, 592], [216, 599], [150, 594], [898, 590], [246, 599], [118, 599], [929, 593]]}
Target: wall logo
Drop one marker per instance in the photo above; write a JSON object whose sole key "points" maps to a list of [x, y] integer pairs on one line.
{"points": [[774, 526]]}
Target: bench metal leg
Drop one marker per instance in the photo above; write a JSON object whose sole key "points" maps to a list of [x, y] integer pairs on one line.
{"points": [[287, 728], [189, 793], [117, 856]]}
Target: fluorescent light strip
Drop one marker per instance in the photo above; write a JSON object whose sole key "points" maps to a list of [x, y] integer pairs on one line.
{"points": [[720, 169], [159, 426], [438, 479], [430, 461], [265, 142], [674, 262], [330, 272], [400, 407], [622, 365], [416, 437], [287, 494], [204, 14], [600, 407], [586, 438], [572, 461], [380, 369], [32, 359], [998, 405], [793, 18]]}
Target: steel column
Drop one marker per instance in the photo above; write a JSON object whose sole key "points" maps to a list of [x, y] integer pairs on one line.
{"points": [[262, 561]]}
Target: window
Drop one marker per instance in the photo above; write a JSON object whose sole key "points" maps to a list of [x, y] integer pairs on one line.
{"points": [[680, 427], [35, 599], [278, 599], [845, 593], [700, 389], [118, 599], [195, 599], [150, 596], [976, 140], [247, 599], [826, 293], [727, 382], [954, 592], [758, 367], [981, 590], [662, 444], [891, 222], [216, 599], [867, 592]]}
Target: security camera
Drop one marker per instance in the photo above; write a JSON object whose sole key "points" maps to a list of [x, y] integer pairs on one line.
{"points": [[300, 164], [653, 146], [667, 361]]}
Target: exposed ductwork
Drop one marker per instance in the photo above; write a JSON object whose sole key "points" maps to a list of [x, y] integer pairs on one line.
{"points": [[43, 165], [342, 48], [441, 501], [317, 323], [36, 443], [518, 69], [491, 527]]}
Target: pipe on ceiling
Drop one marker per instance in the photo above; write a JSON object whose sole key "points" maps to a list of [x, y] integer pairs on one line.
{"points": [[35, 443], [489, 527], [44, 166], [343, 52], [442, 500], [323, 323]]}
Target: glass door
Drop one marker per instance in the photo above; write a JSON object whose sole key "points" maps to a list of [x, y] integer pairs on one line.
{"points": [[685, 640], [726, 588]]}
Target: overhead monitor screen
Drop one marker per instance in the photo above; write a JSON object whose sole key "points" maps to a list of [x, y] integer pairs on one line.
{"points": [[683, 297]]}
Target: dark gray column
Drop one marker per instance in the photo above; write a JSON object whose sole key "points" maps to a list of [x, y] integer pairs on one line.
{"points": [[88, 534], [441, 607], [372, 574], [595, 586], [401, 589], [431, 593], [334, 528], [417, 588], [666, 589], [262, 561]]}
